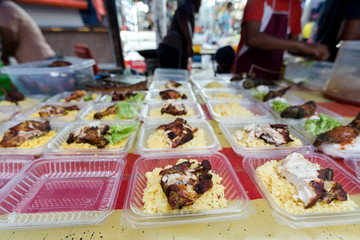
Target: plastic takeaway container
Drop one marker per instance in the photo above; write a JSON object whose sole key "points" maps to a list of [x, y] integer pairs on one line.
{"points": [[239, 205], [28, 102], [224, 93], [62, 192], [165, 74], [154, 95], [353, 164], [7, 112], [61, 97], [38, 78], [160, 85], [307, 220]]}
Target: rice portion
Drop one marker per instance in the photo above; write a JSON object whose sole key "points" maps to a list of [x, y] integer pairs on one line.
{"points": [[65, 145], [156, 112], [155, 200], [24, 104], [69, 113], [93, 96], [35, 142], [160, 140], [260, 142], [232, 109], [283, 192], [214, 85], [225, 95], [90, 116]]}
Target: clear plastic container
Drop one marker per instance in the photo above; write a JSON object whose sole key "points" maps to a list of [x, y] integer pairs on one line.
{"points": [[353, 164], [102, 106], [350, 184], [165, 74], [254, 107], [154, 95], [108, 97], [6, 113], [200, 85], [148, 128], [38, 78], [160, 85], [145, 114], [29, 101], [27, 114], [229, 129], [53, 147], [55, 126], [336, 152], [61, 192], [61, 97], [239, 205], [208, 94]]}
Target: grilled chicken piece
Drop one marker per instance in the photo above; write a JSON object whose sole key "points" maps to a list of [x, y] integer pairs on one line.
{"points": [[326, 174], [174, 109], [300, 111], [76, 96], [172, 84], [55, 111], [333, 191], [13, 95], [340, 135], [108, 111], [171, 94], [178, 132], [254, 82], [24, 131], [273, 94], [93, 134], [183, 185], [277, 134], [119, 96]]}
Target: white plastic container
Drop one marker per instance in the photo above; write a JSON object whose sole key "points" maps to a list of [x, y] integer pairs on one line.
{"points": [[239, 205], [29, 102], [62, 192], [148, 128], [61, 97], [350, 184], [27, 114], [53, 147], [55, 126], [229, 129], [108, 97], [160, 85], [145, 114], [164, 74], [257, 109], [6, 113], [38, 78], [223, 94], [154, 95]]}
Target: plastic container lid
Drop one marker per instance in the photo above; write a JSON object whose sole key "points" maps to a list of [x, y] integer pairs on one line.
{"points": [[53, 147], [60, 192], [55, 126], [145, 114], [148, 128], [7, 112], [254, 107], [171, 74], [26, 115], [239, 205], [229, 129], [350, 184], [154, 95], [62, 96], [160, 85], [209, 94]]}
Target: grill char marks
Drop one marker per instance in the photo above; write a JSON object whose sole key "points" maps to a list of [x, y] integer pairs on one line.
{"points": [[94, 135]]}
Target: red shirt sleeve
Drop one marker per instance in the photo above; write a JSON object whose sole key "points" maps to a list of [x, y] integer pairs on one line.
{"points": [[253, 11], [295, 18]]}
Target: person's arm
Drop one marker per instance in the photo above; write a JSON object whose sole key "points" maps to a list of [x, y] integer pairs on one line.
{"points": [[9, 41], [183, 19], [350, 30], [256, 39]]}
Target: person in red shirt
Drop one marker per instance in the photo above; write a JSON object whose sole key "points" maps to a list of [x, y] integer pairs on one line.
{"points": [[268, 28]]}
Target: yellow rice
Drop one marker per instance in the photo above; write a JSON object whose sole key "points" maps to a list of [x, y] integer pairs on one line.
{"points": [[225, 95], [283, 193], [93, 96], [260, 142], [24, 104], [90, 116], [36, 142], [159, 140], [156, 112], [69, 113], [155, 200], [65, 145], [214, 85], [232, 109]]}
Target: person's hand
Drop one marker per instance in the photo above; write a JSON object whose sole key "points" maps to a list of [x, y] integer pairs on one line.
{"points": [[316, 51]]}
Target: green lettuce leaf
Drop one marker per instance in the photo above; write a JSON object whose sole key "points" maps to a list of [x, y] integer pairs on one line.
{"points": [[280, 106], [259, 95], [138, 98], [87, 98], [126, 111], [120, 131], [324, 124]]}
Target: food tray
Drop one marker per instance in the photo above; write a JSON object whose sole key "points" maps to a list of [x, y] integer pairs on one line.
{"points": [[149, 128], [229, 129], [36, 99], [100, 106], [26, 114], [208, 94], [108, 97], [60, 192], [350, 184], [60, 96], [164, 74], [6, 113], [239, 205], [160, 85], [56, 126], [254, 107], [198, 112], [53, 147], [154, 95]]}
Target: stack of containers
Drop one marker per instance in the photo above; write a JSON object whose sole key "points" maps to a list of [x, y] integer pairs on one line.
{"points": [[156, 153]]}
